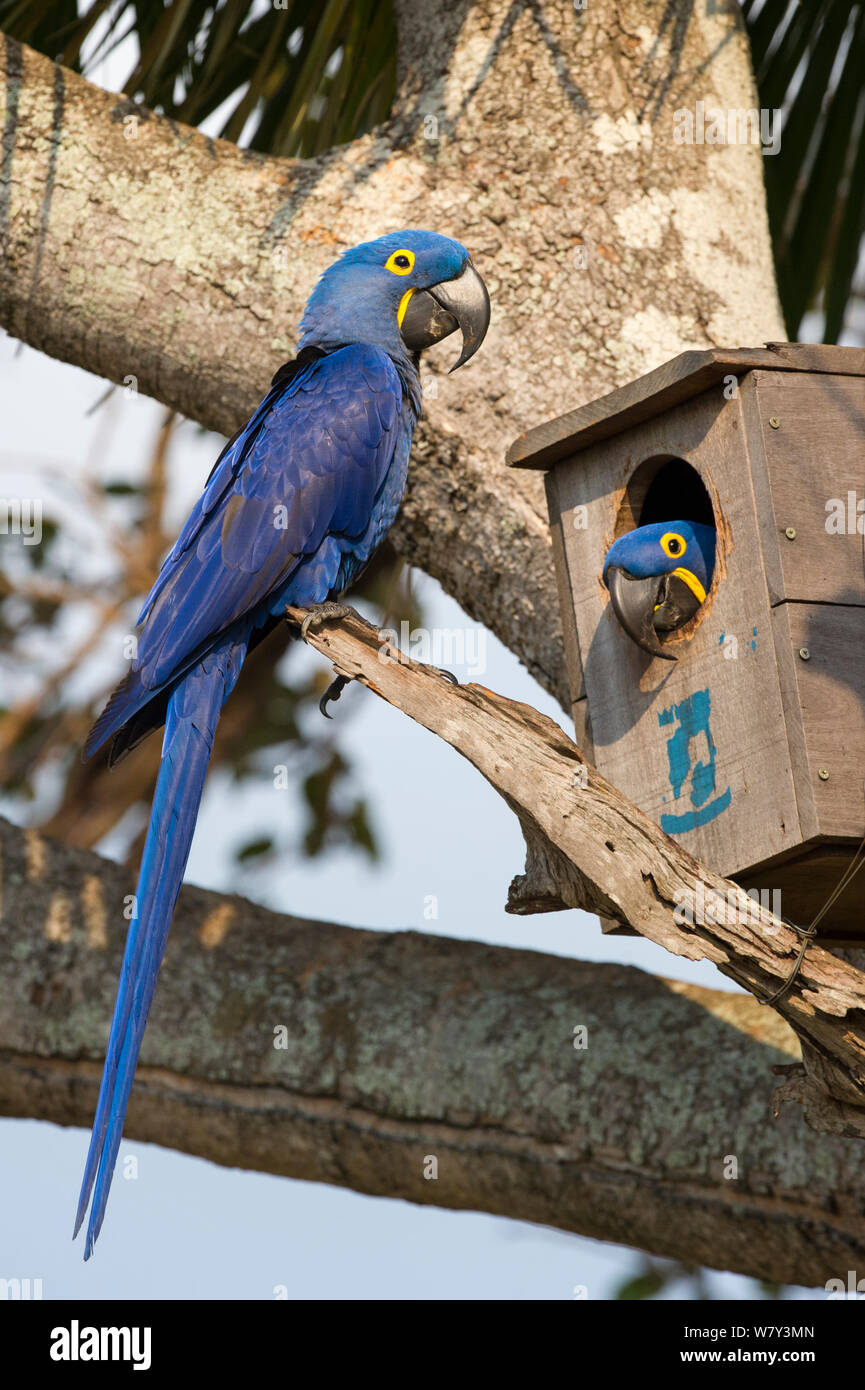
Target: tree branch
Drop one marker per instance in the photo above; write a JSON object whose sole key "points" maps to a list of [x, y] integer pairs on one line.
{"points": [[400, 1046], [540, 136], [590, 847]]}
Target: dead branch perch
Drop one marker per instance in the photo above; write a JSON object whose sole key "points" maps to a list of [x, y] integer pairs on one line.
{"points": [[589, 847]]}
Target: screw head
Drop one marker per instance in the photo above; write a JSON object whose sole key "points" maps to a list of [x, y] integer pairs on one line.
{"points": [[823, 774], [790, 533], [804, 653], [774, 422]]}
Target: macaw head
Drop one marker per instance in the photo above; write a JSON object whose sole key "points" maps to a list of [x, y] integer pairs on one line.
{"points": [[658, 576], [403, 292]]}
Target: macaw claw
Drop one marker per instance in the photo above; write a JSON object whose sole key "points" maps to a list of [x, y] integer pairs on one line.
{"points": [[333, 692]]}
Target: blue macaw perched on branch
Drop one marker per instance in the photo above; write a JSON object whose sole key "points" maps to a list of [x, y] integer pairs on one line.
{"points": [[658, 576], [295, 507]]}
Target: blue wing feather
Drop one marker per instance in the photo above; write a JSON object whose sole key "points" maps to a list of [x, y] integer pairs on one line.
{"points": [[310, 464], [296, 504]]}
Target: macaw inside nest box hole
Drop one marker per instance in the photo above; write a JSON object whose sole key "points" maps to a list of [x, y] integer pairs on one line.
{"points": [[707, 524]]}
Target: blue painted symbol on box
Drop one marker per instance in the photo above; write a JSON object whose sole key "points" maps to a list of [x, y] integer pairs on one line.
{"points": [[692, 718]]}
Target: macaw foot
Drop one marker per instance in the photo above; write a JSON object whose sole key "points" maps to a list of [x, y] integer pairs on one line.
{"points": [[326, 613], [333, 692], [338, 684]]}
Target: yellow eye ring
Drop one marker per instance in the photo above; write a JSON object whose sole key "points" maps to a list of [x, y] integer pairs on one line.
{"points": [[673, 544], [400, 262]]}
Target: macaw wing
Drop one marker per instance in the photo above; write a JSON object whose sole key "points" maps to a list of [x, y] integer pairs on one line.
{"points": [[309, 464]]}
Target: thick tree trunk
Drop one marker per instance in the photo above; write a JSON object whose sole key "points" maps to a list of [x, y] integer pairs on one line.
{"points": [[652, 1127], [540, 135]]}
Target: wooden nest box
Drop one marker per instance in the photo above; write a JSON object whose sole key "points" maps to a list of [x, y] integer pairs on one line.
{"points": [[750, 748]]}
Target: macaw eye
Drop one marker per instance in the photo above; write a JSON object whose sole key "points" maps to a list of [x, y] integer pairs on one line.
{"points": [[400, 262], [673, 544]]}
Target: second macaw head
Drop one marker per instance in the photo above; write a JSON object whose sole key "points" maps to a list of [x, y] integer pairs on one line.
{"points": [[402, 292], [658, 576]]}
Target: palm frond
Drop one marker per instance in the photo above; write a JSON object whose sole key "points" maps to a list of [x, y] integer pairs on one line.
{"points": [[809, 62], [294, 79]]}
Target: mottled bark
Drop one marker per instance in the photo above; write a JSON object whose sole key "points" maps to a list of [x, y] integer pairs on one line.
{"points": [[540, 135], [654, 1130]]}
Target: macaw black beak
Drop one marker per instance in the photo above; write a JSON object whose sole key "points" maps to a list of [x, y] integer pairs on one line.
{"points": [[432, 314], [680, 597], [645, 607]]}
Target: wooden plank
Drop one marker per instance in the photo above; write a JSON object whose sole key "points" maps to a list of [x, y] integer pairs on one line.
{"points": [[786, 658], [805, 883], [563, 585], [830, 691], [681, 379], [583, 728], [814, 454], [727, 673]]}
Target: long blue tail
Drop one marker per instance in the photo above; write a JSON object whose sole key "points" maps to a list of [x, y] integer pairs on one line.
{"points": [[193, 713]]}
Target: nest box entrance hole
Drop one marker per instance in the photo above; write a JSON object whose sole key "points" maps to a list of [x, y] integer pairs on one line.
{"points": [[664, 489], [667, 488]]}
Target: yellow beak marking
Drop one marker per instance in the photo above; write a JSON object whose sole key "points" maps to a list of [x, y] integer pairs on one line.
{"points": [[403, 305], [692, 582]]}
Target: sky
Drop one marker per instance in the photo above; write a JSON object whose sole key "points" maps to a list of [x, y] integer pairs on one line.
{"points": [[186, 1228]]}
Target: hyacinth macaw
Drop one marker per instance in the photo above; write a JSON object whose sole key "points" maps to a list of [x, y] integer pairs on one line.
{"points": [[658, 576], [296, 505]]}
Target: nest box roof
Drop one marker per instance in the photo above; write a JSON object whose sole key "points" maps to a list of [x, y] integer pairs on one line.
{"points": [[685, 376]]}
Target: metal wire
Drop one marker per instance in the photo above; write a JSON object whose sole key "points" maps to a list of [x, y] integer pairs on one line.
{"points": [[808, 933]]}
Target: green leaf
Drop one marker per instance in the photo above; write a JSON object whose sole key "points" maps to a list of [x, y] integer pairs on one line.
{"points": [[764, 29], [194, 58], [119, 488], [809, 61], [848, 243], [814, 228], [254, 849], [641, 1286]]}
